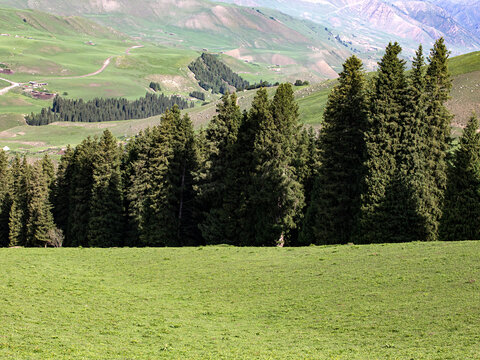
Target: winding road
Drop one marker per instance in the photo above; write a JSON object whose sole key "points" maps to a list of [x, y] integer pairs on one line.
{"points": [[13, 85], [104, 66]]}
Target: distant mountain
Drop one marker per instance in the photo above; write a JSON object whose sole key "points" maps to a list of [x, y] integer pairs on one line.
{"points": [[298, 46], [367, 24]]}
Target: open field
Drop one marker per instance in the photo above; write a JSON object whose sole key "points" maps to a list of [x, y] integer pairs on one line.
{"points": [[395, 301]]}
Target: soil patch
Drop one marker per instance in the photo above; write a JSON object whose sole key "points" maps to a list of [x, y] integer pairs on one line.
{"points": [[42, 95]]}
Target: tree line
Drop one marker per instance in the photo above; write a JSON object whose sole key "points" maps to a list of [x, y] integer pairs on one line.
{"points": [[212, 74], [111, 109], [380, 169]]}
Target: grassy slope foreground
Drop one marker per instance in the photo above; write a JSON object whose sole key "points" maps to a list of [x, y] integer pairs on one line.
{"points": [[396, 301]]}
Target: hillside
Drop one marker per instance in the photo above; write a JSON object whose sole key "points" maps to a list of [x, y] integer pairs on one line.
{"points": [[267, 37], [392, 301], [465, 94], [370, 24]]}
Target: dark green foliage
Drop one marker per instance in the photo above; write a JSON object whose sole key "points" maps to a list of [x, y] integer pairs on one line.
{"points": [[5, 199], [383, 138], [213, 74], [161, 198], [461, 212], [306, 162], [111, 109], [299, 82], [155, 86], [19, 213], [80, 193], [198, 95], [335, 201], [274, 194], [438, 119], [62, 188], [105, 226], [217, 180], [40, 220]]}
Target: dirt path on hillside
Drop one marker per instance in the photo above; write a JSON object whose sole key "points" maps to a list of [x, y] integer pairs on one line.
{"points": [[13, 85], [104, 66]]}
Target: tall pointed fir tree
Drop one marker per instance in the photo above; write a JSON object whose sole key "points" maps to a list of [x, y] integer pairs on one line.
{"points": [[438, 119], [40, 220], [105, 226], [275, 196], [61, 190], [19, 213], [5, 199], [161, 193], [335, 202], [216, 170], [406, 196], [306, 163], [81, 193], [383, 138], [461, 212]]}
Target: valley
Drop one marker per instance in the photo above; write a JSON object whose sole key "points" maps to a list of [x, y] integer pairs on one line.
{"points": [[78, 58]]}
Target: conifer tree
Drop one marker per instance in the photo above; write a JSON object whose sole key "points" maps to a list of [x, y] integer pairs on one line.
{"points": [[40, 220], [461, 212], [335, 201], [161, 196], [105, 226], [215, 176], [19, 213], [275, 196], [306, 162], [5, 199], [81, 193], [438, 118], [383, 138], [61, 190]]}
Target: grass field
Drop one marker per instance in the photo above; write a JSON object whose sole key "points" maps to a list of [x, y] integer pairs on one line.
{"points": [[396, 301]]}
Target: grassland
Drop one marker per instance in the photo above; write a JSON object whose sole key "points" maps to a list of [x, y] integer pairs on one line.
{"points": [[396, 301]]}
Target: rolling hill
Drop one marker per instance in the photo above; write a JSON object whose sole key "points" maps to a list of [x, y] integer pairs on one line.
{"points": [[254, 35]]}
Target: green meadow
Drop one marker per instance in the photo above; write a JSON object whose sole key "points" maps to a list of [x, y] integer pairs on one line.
{"points": [[395, 301]]}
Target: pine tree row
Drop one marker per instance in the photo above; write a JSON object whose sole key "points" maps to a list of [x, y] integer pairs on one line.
{"points": [[111, 109], [384, 171], [378, 171]]}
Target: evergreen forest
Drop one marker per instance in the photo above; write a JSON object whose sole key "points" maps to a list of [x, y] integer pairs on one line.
{"points": [[382, 168], [111, 109]]}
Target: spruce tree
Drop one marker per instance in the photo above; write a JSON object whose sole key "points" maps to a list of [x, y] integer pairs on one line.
{"points": [[5, 199], [306, 162], [335, 202], [275, 196], [161, 196], [105, 226], [61, 190], [40, 220], [81, 193], [438, 118], [383, 138], [461, 211], [19, 213], [216, 171]]}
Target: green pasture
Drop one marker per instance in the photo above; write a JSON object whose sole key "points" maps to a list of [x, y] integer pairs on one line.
{"points": [[394, 301], [464, 64]]}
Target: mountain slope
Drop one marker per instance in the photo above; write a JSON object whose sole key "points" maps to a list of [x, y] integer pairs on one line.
{"points": [[376, 22], [252, 34]]}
